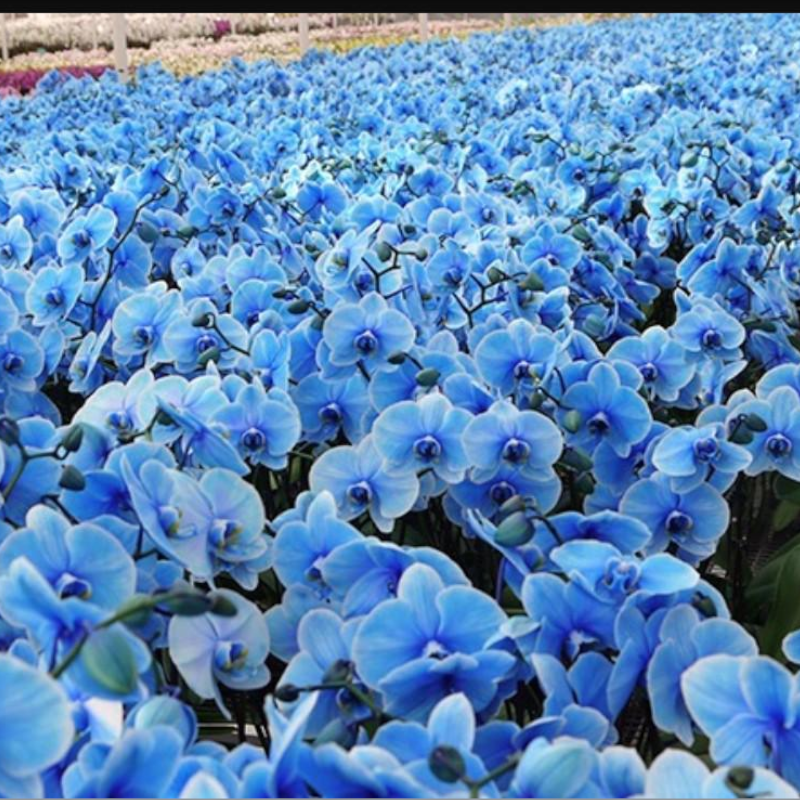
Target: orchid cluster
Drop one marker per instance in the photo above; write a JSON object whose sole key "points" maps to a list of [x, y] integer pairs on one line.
{"points": [[421, 422]]}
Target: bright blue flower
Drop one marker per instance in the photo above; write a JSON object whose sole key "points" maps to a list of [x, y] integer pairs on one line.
{"points": [[562, 768], [707, 330], [270, 354], [611, 577], [676, 773], [210, 649], [430, 642], [608, 411], [328, 407], [21, 360], [302, 543], [684, 638], [359, 482], [140, 321], [16, 244], [694, 520], [525, 440], [452, 725], [81, 561], [363, 771], [661, 361], [516, 357], [85, 235], [263, 426], [53, 293], [689, 456], [777, 447], [140, 764], [565, 615], [424, 435], [747, 707], [367, 332], [36, 728], [324, 641], [364, 572], [313, 197]]}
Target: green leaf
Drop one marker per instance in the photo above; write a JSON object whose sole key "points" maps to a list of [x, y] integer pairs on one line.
{"points": [[788, 490], [763, 586], [575, 459], [108, 660], [785, 514], [784, 616]]}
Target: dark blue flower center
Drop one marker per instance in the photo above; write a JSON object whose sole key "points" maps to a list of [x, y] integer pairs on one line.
{"points": [[206, 342], [712, 339], [81, 239], [223, 533], [679, 522], [360, 494], [169, 518], [501, 491], [366, 343], [230, 656], [55, 297], [649, 372], [778, 445], [706, 449], [522, 370], [119, 421], [13, 363], [435, 650], [330, 414], [427, 448], [621, 576], [516, 451], [598, 425], [69, 585], [143, 335], [454, 276], [253, 440]]}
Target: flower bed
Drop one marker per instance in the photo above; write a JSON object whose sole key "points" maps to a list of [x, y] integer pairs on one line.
{"points": [[414, 422], [24, 81]]}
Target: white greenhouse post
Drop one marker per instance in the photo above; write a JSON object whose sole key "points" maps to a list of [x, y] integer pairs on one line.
{"points": [[335, 21], [120, 38], [305, 40], [423, 27], [507, 20], [4, 35]]}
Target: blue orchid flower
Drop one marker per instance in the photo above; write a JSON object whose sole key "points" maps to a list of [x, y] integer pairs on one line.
{"points": [[209, 650], [746, 706], [423, 435], [36, 727], [429, 642], [607, 410], [359, 482]]}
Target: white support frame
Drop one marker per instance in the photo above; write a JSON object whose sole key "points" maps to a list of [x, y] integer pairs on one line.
{"points": [[4, 35], [304, 34], [120, 39], [424, 33]]}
